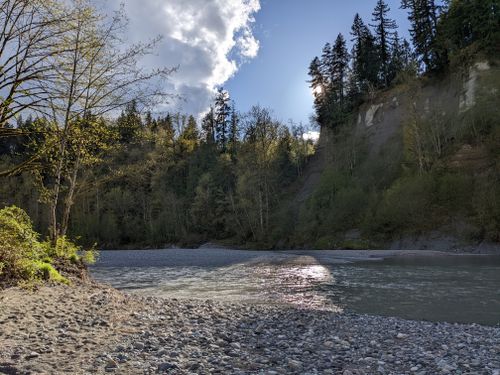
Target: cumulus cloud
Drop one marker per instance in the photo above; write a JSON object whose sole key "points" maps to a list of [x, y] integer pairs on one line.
{"points": [[207, 39]]}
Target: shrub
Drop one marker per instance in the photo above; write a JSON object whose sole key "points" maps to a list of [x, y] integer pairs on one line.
{"points": [[24, 257], [19, 245], [406, 207]]}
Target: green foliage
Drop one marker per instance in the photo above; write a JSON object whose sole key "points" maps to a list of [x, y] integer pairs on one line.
{"points": [[24, 257], [486, 203], [354, 245], [19, 245], [325, 242], [45, 271], [148, 181], [405, 206], [471, 25]]}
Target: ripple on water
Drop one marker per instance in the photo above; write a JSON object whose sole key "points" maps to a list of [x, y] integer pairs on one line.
{"points": [[449, 292]]}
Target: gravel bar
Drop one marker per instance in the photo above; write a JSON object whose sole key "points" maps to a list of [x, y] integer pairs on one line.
{"points": [[94, 329]]}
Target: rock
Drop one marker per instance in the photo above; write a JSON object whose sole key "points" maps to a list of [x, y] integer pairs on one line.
{"points": [[111, 365], [32, 355], [294, 365], [167, 337], [236, 345], [166, 366], [446, 367], [161, 352], [122, 358], [8, 368], [328, 344], [138, 345]]}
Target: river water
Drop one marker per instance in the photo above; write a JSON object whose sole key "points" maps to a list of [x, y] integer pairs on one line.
{"points": [[462, 289]]}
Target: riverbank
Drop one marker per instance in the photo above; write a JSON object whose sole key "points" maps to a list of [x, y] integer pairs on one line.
{"points": [[93, 329], [421, 245]]}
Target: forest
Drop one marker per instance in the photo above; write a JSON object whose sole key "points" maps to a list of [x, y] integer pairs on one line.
{"points": [[411, 186], [87, 152]]}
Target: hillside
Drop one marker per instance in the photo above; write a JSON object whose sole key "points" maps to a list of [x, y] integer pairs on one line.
{"points": [[416, 165]]}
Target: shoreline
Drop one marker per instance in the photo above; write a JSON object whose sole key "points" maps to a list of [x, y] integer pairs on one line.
{"points": [[92, 328], [430, 248]]}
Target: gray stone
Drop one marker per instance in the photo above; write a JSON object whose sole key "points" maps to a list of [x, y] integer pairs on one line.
{"points": [[138, 345], [32, 355], [166, 366]]}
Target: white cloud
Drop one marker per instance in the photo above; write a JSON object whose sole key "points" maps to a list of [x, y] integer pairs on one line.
{"points": [[311, 135], [207, 39]]}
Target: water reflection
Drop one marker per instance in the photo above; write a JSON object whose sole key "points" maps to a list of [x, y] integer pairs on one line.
{"points": [[295, 285]]}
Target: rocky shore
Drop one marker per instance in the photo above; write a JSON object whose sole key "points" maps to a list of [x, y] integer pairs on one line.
{"points": [[94, 329]]}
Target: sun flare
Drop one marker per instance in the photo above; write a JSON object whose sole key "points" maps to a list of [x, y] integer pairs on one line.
{"points": [[317, 90]]}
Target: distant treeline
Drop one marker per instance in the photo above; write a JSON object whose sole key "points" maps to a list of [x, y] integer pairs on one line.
{"points": [[154, 181]]}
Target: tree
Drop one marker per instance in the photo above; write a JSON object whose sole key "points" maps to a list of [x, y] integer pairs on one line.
{"points": [[208, 126], [340, 65], [317, 82], [468, 23], [31, 32], [423, 16], [326, 63], [383, 38], [234, 132], [188, 139], [94, 76], [402, 59], [129, 124], [88, 140], [222, 113], [255, 186], [365, 57]]}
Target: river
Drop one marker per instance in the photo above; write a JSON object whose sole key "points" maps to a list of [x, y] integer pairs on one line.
{"points": [[452, 288]]}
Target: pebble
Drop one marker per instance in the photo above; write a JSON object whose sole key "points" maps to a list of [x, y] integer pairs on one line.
{"points": [[138, 345], [32, 355], [197, 337]]}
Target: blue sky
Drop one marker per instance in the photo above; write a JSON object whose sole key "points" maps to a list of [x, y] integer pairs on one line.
{"points": [[277, 39], [291, 33]]}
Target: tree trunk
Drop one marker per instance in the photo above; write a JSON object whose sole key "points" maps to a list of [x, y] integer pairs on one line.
{"points": [[68, 203], [54, 231]]}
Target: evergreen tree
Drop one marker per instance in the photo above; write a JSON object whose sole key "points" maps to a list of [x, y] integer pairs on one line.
{"points": [[383, 37], [423, 16], [233, 132], [317, 82], [326, 64], [340, 65], [208, 126], [222, 114], [402, 58], [469, 23], [129, 124], [365, 56]]}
